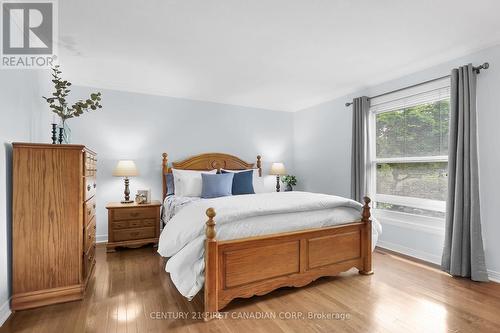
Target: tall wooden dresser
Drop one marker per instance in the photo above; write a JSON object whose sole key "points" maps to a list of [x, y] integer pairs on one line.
{"points": [[53, 228]]}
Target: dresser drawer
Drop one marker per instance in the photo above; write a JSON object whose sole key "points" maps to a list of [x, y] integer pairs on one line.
{"points": [[133, 224], [134, 214], [90, 187], [89, 235], [89, 210], [129, 234], [90, 165], [88, 261]]}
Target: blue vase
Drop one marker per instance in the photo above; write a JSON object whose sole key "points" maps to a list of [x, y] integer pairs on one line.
{"points": [[66, 138]]}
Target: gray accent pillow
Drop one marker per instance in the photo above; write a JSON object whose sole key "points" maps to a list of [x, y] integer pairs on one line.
{"points": [[170, 184]]}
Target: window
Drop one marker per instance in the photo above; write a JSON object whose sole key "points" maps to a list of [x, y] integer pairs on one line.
{"points": [[409, 150]]}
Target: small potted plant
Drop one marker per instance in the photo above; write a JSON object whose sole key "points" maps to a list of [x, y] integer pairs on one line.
{"points": [[59, 105], [290, 181]]}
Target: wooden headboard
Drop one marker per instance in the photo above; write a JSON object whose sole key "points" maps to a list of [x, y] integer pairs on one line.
{"points": [[206, 162]]}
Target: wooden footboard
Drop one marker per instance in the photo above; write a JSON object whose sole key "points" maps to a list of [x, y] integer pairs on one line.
{"points": [[258, 265]]}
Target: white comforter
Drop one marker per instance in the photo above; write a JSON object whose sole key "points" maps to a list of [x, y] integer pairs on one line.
{"points": [[182, 239]]}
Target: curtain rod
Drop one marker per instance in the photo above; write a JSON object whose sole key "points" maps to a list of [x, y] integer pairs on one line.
{"points": [[476, 69]]}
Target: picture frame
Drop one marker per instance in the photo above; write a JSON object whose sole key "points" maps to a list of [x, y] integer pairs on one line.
{"points": [[145, 194]]}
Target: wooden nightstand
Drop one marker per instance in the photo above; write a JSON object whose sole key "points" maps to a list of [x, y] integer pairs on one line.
{"points": [[133, 225]]}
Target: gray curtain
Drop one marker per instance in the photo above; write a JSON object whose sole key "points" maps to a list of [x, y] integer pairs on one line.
{"points": [[360, 109], [463, 253]]}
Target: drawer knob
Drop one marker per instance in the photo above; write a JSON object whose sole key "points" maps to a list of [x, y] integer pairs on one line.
{"points": [[95, 185], [88, 187], [89, 212], [93, 206]]}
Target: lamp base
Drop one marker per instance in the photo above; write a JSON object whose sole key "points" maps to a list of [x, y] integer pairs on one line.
{"points": [[127, 193]]}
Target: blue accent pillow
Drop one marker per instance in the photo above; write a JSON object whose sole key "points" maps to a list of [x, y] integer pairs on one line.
{"points": [[170, 184], [216, 185], [242, 182]]}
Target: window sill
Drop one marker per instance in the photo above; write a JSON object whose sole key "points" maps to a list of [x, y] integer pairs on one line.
{"points": [[416, 222]]}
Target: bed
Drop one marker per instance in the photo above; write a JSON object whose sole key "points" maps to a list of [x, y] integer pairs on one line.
{"points": [[262, 241]]}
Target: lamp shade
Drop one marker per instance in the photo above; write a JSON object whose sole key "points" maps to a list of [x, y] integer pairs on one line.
{"points": [[277, 169], [125, 168]]}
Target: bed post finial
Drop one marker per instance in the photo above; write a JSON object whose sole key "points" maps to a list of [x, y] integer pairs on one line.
{"points": [[164, 165], [210, 230], [259, 165], [366, 241], [366, 210], [211, 268]]}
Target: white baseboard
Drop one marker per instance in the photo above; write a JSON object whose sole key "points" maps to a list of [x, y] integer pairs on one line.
{"points": [[425, 256], [492, 275], [101, 238], [5, 312]]}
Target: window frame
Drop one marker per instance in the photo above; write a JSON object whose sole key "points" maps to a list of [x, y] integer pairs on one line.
{"points": [[428, 204]]}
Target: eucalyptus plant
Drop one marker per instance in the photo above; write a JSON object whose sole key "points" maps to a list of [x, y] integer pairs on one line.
{"points": [[58, 103]]}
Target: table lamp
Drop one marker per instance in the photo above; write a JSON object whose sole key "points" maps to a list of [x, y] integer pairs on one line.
{"points": [[277, 169], [126, 168]]}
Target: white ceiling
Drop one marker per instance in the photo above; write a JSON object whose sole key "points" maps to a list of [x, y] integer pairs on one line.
{"points": [[274, 54]]}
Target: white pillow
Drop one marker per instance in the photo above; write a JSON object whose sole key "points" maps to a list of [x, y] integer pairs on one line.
{"points": [[188, 183], [255, 171], [258, 182]]}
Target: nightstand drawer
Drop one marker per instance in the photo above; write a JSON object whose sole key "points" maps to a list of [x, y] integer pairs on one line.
{"points": [[133, 224], [139, 233], [134, 213], [120, 225], [141, 223]]}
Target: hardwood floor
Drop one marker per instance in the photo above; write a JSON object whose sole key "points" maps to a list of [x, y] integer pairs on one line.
{"points": [[130, 292]]}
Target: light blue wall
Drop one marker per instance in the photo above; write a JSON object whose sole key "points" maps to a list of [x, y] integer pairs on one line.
{"points": [[141, 127], [322, 148]]}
